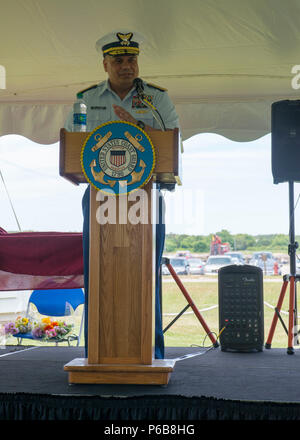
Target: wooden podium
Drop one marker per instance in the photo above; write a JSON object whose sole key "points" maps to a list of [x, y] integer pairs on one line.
{"points": [[121, 277]]}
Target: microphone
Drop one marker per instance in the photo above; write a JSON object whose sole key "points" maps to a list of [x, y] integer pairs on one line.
{"points": [[139, 86]]}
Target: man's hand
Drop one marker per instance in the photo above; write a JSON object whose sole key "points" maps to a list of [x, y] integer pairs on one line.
{"points": [[123, 114]]}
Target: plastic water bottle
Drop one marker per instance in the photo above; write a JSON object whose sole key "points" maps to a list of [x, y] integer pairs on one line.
{"points": [[79, 116]]}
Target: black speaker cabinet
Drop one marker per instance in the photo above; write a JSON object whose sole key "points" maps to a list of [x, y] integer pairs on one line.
{"points": [[285, 127], [241, 308]]}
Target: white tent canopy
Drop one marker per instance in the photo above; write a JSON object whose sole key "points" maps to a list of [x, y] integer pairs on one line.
{"points": [[223, 61]]}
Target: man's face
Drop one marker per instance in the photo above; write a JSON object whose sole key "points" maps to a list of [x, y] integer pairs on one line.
{"points": [[122, 70]]}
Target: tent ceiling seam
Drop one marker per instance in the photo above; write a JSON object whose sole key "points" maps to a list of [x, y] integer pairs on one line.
{"points": [[155, 77], [176, 100]]}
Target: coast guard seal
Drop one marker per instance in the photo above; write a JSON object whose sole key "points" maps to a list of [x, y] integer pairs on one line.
{"points": [[118, 157]]}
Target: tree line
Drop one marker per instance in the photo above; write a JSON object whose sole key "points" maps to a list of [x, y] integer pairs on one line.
{"points": [[238, 242]]}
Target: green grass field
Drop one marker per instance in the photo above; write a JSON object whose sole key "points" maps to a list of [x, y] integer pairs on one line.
{"points": [[187, 331]]}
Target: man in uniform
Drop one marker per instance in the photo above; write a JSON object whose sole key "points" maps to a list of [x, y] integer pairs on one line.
{"points": [[117, 99]]}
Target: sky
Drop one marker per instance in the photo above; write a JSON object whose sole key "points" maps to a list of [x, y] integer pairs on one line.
{"points": [[225, 185]]}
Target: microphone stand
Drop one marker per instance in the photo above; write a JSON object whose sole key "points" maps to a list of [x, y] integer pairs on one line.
{"points": [[140, 91], [155, 113]]}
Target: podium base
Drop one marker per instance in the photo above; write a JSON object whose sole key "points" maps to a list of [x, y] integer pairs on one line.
{"points": [[158, 373]]}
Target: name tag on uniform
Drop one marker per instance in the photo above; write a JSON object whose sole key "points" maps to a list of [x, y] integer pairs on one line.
{"points": [[98, 107], [141, 112]]}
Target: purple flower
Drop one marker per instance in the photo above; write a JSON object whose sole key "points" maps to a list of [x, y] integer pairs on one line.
{"points": [[60, 330], [37, 332], [10, 329]]}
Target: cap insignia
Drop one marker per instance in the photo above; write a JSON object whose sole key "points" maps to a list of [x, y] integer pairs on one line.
{"points": [[125, 38]]}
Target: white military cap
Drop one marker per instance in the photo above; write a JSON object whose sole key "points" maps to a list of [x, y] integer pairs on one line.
{"points": [[122, 42]]}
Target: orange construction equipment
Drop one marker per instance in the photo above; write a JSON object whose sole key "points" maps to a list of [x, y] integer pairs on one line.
{"points": [[217, 247]]}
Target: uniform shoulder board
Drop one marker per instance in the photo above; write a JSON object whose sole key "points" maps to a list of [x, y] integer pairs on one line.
{"points": [[162, 89], [85, 90]]}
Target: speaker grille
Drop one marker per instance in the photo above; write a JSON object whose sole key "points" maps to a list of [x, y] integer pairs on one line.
{"points": [[285, 127], [241, 308]]}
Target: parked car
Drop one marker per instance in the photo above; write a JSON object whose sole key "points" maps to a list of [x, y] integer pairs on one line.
{"points": [[264, 260], [186, 254], [215, 262], [196, 266], [238, 257], [165, 270], [180, 265]]}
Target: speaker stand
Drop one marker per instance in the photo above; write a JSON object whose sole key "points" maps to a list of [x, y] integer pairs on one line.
{"points": [[291, 279], [191, 304]]}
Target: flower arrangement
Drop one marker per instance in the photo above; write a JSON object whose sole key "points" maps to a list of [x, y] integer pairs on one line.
{"points": [[46, 329], [49, 329], [21, 325]]}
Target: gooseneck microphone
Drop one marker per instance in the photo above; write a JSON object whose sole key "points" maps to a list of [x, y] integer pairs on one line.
{"points": [[139, 86]]}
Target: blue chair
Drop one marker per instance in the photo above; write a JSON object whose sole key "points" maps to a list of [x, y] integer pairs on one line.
{"points": [[56, 302]]}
